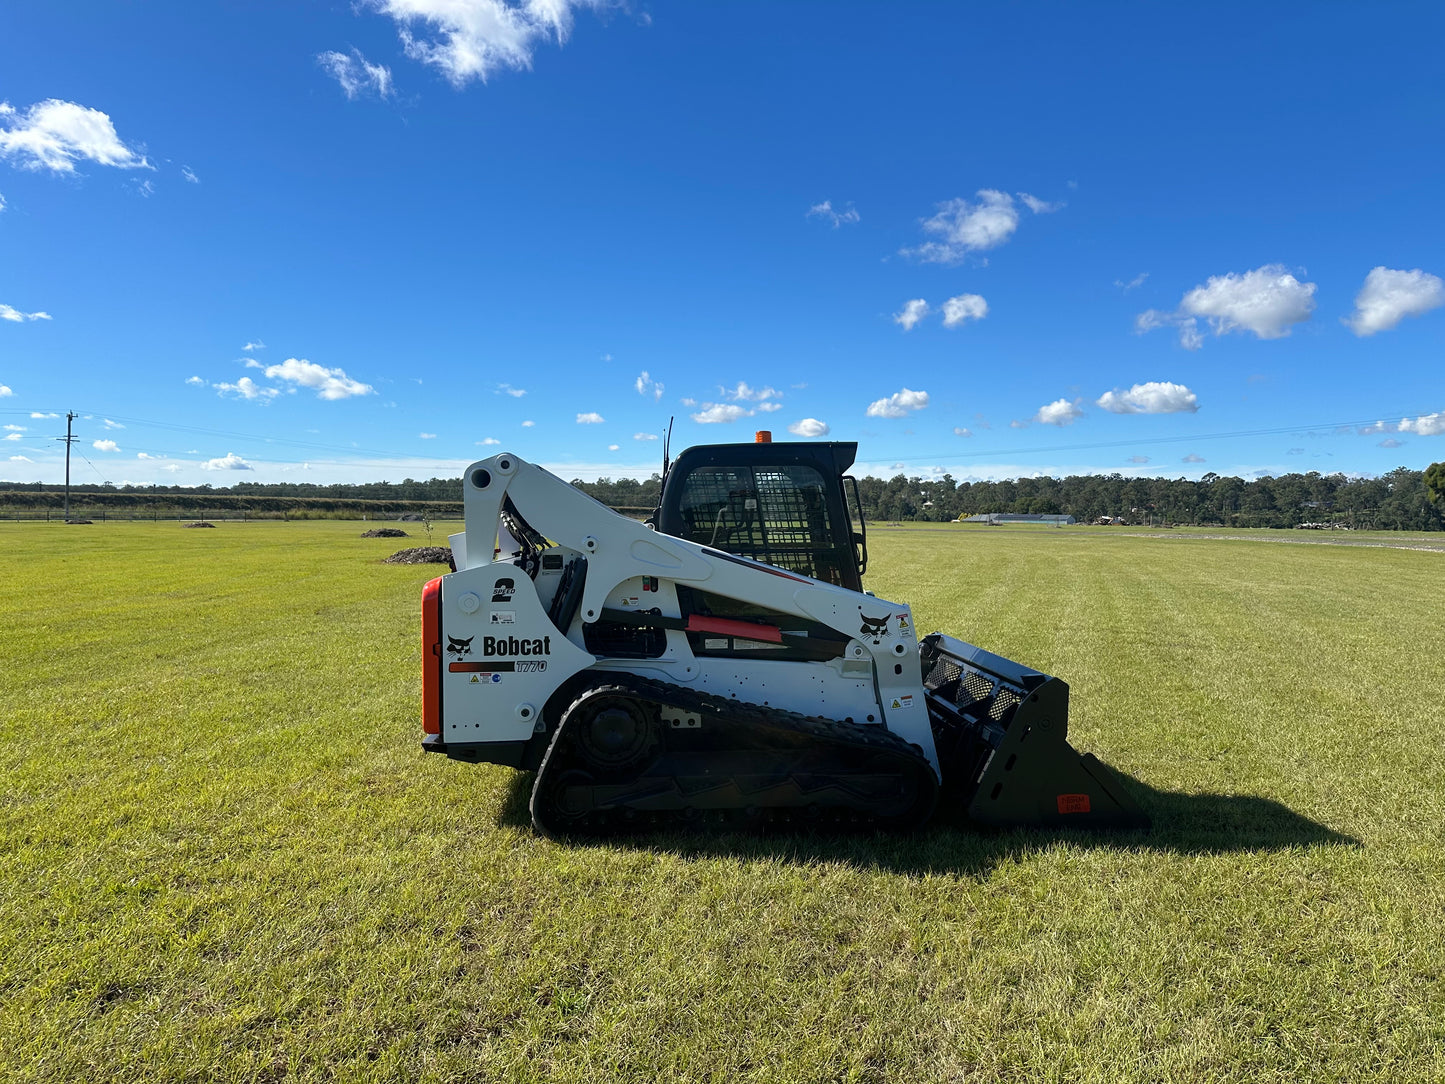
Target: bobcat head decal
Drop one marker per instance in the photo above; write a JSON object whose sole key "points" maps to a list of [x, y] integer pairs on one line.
{"points": [[875, 627], [459, 647]]}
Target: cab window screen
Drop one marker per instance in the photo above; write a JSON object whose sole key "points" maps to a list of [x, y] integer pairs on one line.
{"points": [[773, 514]]}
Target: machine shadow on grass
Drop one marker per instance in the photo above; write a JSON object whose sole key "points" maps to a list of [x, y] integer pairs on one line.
{"points": [[1182, 824]]}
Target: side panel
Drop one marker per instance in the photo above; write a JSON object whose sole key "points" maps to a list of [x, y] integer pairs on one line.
{"points": [[501, 657], [884, 632]]}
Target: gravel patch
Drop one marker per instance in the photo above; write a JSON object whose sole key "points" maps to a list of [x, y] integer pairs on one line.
{"points": [[423, 555]]}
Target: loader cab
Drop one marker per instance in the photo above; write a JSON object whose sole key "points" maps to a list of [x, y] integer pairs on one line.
{"points": [[790, 504]]}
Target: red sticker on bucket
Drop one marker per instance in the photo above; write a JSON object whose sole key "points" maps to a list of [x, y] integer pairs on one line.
{"points": [[1073, 803]]}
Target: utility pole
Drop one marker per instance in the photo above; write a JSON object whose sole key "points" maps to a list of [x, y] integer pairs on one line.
{"points": [[69, 440]]}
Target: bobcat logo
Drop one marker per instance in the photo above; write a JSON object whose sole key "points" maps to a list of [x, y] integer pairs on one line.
{"points": [[876, 627], [459, 647]]}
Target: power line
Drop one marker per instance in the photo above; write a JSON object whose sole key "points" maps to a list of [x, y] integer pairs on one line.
{"points": [[1137, 441], [955, 453]]}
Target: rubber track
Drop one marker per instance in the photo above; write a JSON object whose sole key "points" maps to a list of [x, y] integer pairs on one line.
{"points": [[750, 719]]}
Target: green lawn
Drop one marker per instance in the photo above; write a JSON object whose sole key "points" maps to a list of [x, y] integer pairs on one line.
{"points": [[223, 855]]}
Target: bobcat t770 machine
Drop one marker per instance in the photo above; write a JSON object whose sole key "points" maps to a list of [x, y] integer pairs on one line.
{"points": [[723, 663]]}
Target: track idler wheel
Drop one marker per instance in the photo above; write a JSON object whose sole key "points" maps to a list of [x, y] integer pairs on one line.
{"points": [[558, 801], [616, 733]]}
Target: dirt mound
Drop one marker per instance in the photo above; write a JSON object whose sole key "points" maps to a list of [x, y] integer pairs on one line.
{"points": [[423, 555], [198, 523], [384, 532]]}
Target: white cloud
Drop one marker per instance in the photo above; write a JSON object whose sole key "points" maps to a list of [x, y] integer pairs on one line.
{"points": [[528, 424], [515, 393], [488, 442], [245, 388], [1133, 283], [1140, 459], [746, 393], [1427, 425], [1155, 397], [17, 428], [809, 428], [959, 310], [110, 424], [1378, 427], [14, 436], [21, 459], [716, 413], [252, 347], [143, 455], [195, 382], [327, 383], [768, 408], [898, 404], [173, 467], [613, 447], [825, 211], [472, 39], [1192, 458], [105, 446], [688, 402], [912, 312], [34, 413], [590, 418], [14, 315], [144, 189], [1060, 412], [229, 461], [1389, 296], [965, 227], [426, 436], [1267, 301], [355, 74], [1038, 206], [1391, 442], [4, 391], [647, 386], [959, 432], [644, 436], [54, 135], [190, 175]]}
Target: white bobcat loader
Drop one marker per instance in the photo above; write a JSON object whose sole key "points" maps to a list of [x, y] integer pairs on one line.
{"points": [[722, 664]]}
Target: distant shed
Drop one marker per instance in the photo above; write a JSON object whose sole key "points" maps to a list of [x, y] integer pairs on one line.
{"points": [[1020, 517]]}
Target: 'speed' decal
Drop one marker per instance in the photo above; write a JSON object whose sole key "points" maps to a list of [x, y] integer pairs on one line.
{"points": [[503, 590]]}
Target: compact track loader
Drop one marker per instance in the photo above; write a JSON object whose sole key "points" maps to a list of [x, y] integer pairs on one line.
{"points": [[722, 663]]}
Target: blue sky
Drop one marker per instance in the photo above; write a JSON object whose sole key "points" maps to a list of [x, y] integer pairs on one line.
{"points": [[352, 242]]}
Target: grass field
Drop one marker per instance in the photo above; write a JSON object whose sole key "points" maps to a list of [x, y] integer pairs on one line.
{"points": [[223, 855]]}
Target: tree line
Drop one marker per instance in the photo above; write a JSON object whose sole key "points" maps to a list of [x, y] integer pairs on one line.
{"points": [[1403, 499]]}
